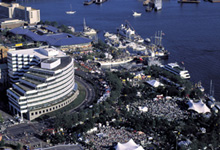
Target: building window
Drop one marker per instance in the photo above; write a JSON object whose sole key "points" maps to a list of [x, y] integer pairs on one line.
{"points": [[46, 110], [35, 113], [32, 114], [50, 109], [56, 107], [43, 111], [31, 14], [39, 112]]}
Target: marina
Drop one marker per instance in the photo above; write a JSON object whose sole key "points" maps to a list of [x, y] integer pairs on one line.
{"points": [[183, 27]]}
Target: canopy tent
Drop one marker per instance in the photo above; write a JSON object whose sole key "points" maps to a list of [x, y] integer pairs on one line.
{"points": [[154, 83], [130, 145], [199, 107]]}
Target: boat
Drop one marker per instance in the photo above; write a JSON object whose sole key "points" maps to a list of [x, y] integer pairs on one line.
{"points": [[87, 30], [100, 1], [147, 40], [88, 2], [149, 8], [162, 54], [158, 5], [200, 87], [71, 11], [126, 31], [146, 2], [115, 62], [177, 70], [157, 48], [135, 14]]}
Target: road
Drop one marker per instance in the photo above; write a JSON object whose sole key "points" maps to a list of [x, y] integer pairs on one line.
{"points": [[90, 93]]}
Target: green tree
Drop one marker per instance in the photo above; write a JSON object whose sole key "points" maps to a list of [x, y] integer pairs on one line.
{"points": [[18, 146], [1, 119]]}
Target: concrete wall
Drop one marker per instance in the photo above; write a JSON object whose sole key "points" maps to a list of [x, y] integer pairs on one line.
{"points": [[36, 113]]}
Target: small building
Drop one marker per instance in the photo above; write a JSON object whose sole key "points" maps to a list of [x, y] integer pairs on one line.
{"points": [[9, 23], [3, 54]]}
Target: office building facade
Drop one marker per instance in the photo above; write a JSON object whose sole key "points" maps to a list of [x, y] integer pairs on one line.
{"points": [[46, 81]]}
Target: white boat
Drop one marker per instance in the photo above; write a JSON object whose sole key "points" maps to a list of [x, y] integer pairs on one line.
{"points": [[135, 14], [126, 31], [147, 40], [71, 11], [115, 62], [177, 70], [87, 30], [200, 87], [158, 5]]}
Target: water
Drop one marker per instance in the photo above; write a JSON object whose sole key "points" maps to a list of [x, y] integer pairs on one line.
{"points": [[192, 31]]}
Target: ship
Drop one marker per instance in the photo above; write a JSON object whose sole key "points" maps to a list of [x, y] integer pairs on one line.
{"points": [[157, 5], [100, 1], [157, 48], [87, 30], [88, 2], [128, 32], [177, 70], [115, 62]]}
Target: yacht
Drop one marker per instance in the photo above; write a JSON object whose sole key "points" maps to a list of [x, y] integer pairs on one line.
{"points": [[115, 62], [135, 14], [87, 30], [177, 70], [71, 11], [158, 5], [126, 31]]}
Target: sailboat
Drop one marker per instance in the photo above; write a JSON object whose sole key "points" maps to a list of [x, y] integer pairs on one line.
{"points": [[136, 14], [87, 30], [71, 11]]}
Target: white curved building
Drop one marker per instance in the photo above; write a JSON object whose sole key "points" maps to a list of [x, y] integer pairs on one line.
{"points": [[46, 81]]}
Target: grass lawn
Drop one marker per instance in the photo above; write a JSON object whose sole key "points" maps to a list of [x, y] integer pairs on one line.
{"points": [[80, 98]]}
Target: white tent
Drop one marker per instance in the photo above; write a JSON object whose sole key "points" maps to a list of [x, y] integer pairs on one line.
{"points": [[154, 83], [130, 145], [143, 108], [199, 107]]}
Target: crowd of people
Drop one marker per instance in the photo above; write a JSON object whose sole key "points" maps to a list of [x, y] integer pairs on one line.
{"points": [[168, 109], [106, 136]]}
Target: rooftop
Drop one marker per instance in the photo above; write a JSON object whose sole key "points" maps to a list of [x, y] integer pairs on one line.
{"points": [[64, 62], [58, 39], [37, 52]]}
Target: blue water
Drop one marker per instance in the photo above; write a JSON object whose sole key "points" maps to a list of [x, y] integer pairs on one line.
{"points": [[192, 31]]}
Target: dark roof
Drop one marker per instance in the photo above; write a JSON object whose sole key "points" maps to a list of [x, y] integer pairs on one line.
{"points": [[71, 41], [59, 39], [51, 28]]}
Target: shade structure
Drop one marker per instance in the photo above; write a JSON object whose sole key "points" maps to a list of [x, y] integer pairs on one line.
{"points": [[199, 107], [130, 145]]}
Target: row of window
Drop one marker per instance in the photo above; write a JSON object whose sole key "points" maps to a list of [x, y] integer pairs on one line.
{"points": [[50, 109]]}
